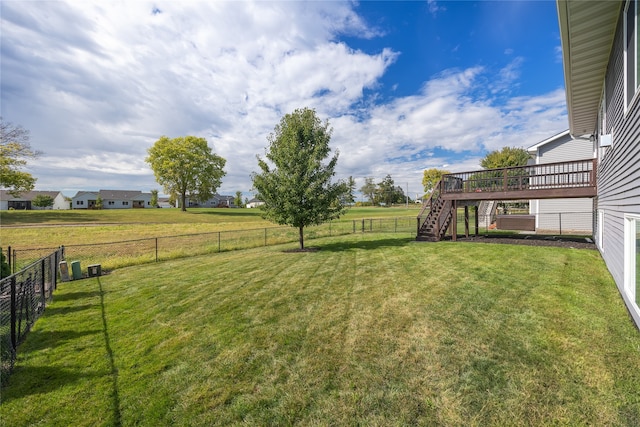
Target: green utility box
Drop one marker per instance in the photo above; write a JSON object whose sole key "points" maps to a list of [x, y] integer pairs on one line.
{"points": [[76, 271]]}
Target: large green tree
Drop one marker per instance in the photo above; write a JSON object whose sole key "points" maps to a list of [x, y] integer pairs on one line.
{"points": [[431, 177], [505, 158], [293, 182], [15, 149], [186, 166]]}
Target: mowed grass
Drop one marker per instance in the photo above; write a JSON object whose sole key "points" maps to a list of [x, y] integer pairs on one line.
{"points": [[369, 330], [46, 229]]}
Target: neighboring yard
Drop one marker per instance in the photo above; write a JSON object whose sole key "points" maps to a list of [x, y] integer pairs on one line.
{"points": [[24, 229], [370, 330]]}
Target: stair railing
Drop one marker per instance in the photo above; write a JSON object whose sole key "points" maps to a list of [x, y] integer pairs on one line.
{"points": [[434, 197]]}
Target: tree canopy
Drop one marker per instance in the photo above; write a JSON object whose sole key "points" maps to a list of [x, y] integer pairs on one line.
{"points": [[186, 167], [15, 149], [505, 158], [295, 185], [431, 177]]}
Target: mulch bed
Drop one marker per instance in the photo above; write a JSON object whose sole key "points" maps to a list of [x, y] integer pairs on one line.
{"points": [[532, 240]]}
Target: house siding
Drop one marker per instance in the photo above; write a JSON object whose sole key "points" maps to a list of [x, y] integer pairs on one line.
{"points": [[618, 171], [564, 215]]}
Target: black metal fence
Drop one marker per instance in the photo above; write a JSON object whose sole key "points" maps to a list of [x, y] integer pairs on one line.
{"points": [[23, 297], [112, 255]]}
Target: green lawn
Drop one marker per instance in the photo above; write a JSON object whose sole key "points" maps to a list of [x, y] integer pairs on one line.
{"points": [[372, 329]]}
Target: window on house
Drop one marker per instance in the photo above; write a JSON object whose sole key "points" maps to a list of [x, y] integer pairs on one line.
{"points": [[125, 203], [632, 258], [631, 50], [111, 202]]}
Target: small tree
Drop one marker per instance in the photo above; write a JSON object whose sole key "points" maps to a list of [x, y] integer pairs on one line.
{"points": [[154, 198], [369, 190], [431, 177], [14, 152], [42, 201], [238, 199], [99, 202], [505, 158], [297, 188], [386, 191], [186, 167]]}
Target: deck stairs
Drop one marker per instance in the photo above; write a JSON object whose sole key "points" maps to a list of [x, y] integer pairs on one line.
{"points": [[487, 210], [434, 219]]}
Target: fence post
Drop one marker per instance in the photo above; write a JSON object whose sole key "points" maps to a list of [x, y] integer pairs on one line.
{"points": [[363, 225], [265, 236], [560, 221], [219, 241], [395, 228], [156, 249], [13, 314], [42, 282], [9, 258], [354, 226], [13, 261], [329, 228]]}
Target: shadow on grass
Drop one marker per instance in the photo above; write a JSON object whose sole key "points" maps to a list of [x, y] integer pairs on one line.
{"points": [[115, 395], [52, 217], [366, 245], [72, 296], [28, 380], [55, 311], [40, 340]]}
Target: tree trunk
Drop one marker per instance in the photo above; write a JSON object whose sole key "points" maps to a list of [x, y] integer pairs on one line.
{"points": [[183, 202], [300, 230]]}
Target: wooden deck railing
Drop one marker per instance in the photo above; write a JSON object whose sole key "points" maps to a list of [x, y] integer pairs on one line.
{"points": [[557, 178]]}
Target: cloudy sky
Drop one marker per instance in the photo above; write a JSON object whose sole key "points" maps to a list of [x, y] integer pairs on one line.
{"points": [[406, 86]]}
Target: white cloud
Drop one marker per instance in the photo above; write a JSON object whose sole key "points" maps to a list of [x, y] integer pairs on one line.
{"points": [[98, 82]]}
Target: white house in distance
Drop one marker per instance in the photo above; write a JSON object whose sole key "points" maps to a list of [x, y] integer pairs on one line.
{"points": [[24, 201], [254, 203], [562, 215], [112, 199], [601, 57]]}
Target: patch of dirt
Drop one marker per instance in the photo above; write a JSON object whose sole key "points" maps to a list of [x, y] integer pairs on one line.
{"points": [[533, 240]]}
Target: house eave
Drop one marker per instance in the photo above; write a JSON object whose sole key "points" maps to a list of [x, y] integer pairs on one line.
{"points": [[587, 30]]}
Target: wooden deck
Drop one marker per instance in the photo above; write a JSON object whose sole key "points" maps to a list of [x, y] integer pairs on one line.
{"points": [[466, 189], [547, 181]]}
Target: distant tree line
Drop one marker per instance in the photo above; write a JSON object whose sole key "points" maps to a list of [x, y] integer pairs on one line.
{"points": [[383, 193]]}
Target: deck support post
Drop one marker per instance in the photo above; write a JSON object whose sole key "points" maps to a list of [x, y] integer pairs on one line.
{"points": [[466, 221], [476, 219], [454, 220]]}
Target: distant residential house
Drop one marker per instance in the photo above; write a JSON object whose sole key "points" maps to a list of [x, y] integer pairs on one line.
{"points": [[112, 199], [254, 203], [562, 215], [217, 201], [25, 200], [601, 56], [163, 202]]}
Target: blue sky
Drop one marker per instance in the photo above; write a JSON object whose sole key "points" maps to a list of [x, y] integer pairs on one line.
{"points": [[406, 86]]}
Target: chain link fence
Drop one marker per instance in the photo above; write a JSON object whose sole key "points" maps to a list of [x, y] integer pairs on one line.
{"points": [[112, 255], [23, 297]]}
